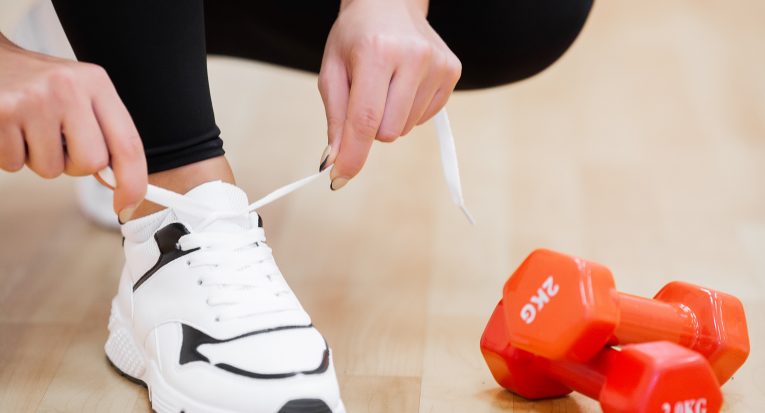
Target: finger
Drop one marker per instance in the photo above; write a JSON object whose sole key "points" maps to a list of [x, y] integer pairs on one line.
{"points": [[125, 148], [44, 144], [370, 80], [334, 89], [86, 151], [12, 149], [422, 100], [439, 100], [399, 103], [453, 70]]}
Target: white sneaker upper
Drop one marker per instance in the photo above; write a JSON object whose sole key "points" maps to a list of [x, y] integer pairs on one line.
{"points": [[213, 316]]}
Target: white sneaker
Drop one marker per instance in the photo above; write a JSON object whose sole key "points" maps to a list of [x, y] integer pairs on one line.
{"points": [[204, 318]]}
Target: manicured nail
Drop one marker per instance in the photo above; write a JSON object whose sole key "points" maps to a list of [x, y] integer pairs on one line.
{"points": [[324, 158], [126, 213], [338, 183]]}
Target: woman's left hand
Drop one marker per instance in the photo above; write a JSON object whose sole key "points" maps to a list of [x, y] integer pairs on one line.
{"points": [[385, 70]]}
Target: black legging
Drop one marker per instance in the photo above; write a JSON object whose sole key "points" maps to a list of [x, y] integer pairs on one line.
{"points": [[154, 51]]}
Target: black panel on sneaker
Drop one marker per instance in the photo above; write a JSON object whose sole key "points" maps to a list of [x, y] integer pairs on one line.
{"points": [[305, 406], [167, 241], [193, 338]]}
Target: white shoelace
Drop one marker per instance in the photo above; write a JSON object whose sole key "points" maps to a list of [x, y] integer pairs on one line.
{"points": [[449, 165], [229, 257], [239, 272]]}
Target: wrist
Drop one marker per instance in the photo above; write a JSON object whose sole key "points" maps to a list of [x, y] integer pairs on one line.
{"points": [[418, 6]]}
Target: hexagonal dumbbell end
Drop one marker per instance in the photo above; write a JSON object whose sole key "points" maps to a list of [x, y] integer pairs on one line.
{"points": [[560, 307], [721, 333], [518, 371], [657, 377]]}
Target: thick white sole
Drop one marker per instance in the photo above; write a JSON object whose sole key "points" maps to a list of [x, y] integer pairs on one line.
{"points": [[129, 359]]}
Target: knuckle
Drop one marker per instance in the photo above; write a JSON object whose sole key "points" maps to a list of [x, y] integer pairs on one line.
{"points": [[63, 78], [376, 45], [454, 69], [365, 123], [94, 73], [379, 42], [62, 84], [130, 147], [34, 95], [421, 51], [95, 70]]}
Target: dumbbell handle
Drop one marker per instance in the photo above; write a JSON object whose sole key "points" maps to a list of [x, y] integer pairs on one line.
{"points": [[644, 319], [586, 378]]}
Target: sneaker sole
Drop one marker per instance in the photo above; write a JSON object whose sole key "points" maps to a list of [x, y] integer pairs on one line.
{"points": [[128, 359]]}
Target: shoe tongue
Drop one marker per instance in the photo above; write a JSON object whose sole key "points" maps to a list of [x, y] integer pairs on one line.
{"points": [[223, 197]]}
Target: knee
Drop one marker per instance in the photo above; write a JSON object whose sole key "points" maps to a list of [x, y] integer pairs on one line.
{"points": [[524, 45]]}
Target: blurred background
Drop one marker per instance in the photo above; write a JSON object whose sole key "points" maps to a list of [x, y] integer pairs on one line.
{"points": [[642, 148]]}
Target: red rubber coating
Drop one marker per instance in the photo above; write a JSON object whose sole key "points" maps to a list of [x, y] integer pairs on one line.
{"points": [[567, 308], [646, 377]]}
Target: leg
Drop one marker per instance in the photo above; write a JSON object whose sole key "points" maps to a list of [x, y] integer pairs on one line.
{"points": [[498, 41], [505, 41]]}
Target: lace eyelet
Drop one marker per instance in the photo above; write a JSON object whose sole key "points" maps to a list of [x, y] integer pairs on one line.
{"points": [[188, 263], [217, 319], [199, 282]]}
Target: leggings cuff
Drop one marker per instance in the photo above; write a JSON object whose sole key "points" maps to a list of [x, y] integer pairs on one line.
{"points": [[160, 159]]}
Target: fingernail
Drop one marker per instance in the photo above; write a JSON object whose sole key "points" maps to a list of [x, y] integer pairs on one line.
{"points": [[324, 158], [338, 183], [126, 213]]}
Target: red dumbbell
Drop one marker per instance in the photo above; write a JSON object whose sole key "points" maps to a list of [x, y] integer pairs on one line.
{"points": [[647, 377], [562, 307]]}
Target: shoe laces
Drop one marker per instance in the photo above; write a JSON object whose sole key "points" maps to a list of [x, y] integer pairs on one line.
{"points": [[238, 266], [239, 273]]}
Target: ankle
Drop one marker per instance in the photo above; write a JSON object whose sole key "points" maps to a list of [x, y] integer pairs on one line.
{"points": [[183, 179]]}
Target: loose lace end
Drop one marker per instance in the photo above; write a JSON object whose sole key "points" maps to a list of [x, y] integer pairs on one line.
{"points": [[449, 161]]}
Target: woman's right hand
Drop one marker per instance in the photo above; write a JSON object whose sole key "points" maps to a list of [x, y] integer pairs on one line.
{"points": [[60, 116]]}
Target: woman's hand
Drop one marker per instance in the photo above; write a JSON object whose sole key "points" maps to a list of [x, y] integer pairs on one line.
{"points": [[385, 70], [59, 116]]}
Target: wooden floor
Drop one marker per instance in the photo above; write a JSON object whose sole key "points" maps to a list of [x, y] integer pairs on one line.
{"points": [[643, 149]]}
